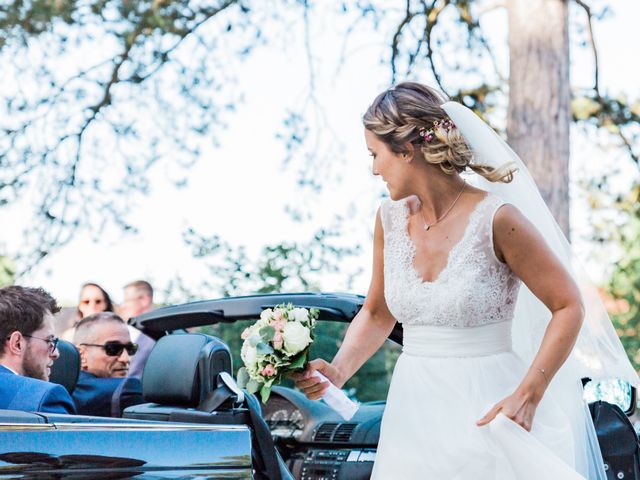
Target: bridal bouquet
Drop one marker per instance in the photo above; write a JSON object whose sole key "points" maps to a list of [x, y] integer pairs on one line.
{"points": [[277, 345], [274, 346]]}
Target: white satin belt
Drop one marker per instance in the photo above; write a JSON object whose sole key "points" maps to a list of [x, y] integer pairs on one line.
{"points": [[433, 341]]}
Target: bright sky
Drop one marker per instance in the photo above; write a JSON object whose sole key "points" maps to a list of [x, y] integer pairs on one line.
{"points": [[240, 193]]}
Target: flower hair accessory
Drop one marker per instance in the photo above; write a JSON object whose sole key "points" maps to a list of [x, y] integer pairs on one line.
{"points": [[428, 134]]}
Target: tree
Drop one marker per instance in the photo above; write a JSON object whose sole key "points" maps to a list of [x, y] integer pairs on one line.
{"points": [[284, 267], [6, 272], [625, 281], [160, 77], [446, 38], [80, 131], [539, 113]]}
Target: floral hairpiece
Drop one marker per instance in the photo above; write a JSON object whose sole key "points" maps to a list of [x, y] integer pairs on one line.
{"points": [[428, 134]]}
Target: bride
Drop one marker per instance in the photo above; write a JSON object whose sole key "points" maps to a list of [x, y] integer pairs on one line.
{"points": [[497, 332]]}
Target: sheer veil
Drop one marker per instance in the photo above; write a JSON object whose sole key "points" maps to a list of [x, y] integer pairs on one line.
{"points": [[598, 353]]}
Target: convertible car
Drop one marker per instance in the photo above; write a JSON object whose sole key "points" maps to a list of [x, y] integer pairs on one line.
{"points": [[199, 424]]}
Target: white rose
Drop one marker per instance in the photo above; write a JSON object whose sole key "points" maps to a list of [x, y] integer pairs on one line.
{"points": [[249, 355], [299, 314], [264, 316], [296, 337]]}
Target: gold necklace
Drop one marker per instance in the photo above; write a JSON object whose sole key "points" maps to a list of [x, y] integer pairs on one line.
{"points": [[427, 225]]}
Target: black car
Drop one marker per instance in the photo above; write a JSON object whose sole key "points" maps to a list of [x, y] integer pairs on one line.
{"points": [[198, 424]]}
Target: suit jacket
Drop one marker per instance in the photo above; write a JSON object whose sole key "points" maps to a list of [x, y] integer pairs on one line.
{"points": [[27, 394], [106, 397]]}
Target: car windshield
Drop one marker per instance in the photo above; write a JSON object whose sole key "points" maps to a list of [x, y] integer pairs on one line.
{"points": [[370, 383]]}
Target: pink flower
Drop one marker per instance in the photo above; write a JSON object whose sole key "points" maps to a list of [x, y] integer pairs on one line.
{"points": [[245, 334], [277, 340], [278, 316], [268, 371], [278, 324]]}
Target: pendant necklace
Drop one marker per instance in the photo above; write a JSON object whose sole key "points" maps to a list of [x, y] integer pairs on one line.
{"points": [[427, 225]]}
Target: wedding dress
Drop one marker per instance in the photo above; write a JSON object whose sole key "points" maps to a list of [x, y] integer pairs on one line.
{"points": [[469, 337], [458, 362]]}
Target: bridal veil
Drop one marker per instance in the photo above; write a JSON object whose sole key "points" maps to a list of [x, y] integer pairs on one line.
{"points": [[598, 353]]}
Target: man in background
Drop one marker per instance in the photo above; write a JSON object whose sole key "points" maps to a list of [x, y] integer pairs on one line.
{"points": [[138, 299], [106, 350], [28, 349]]}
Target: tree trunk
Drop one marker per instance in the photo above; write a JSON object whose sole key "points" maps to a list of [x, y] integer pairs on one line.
{"points": [[539, 114]]}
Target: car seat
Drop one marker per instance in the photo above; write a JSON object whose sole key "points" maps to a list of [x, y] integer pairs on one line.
{"points": [[187, 379], [66, 369], [180, 373]]}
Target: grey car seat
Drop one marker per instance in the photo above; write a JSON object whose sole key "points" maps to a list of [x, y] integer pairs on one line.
{"points": [[180, 373], [66, 368]]}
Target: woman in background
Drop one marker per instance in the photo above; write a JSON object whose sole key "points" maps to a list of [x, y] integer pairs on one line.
{"points": [[93, 299]]}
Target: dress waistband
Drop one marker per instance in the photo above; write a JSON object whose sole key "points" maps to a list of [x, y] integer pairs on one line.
{"points": [[436, 341]]}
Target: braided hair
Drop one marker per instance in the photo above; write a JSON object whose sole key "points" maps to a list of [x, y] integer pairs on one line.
{"points": [[401, 114]]}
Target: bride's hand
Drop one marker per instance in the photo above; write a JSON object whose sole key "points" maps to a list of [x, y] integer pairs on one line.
{"points": [[312, 386], [519, 407]]}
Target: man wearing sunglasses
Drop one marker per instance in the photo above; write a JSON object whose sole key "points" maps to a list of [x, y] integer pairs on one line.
{"points": [[106, 349], [28, 349]]}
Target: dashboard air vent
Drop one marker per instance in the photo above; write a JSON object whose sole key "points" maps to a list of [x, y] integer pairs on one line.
{"points": [[344, 432], [324, 433]]}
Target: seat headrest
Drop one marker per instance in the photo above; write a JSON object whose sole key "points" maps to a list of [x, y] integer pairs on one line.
{"points": [[66, 368], [182, 368]]}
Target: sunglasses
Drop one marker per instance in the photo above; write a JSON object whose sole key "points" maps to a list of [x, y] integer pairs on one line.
{"points": [[114, 349]]}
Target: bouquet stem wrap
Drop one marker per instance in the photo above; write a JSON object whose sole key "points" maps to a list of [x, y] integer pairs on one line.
{"points": [[337, 399]]}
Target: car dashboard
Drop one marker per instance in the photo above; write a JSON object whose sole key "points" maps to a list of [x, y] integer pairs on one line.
{"points": [[316, 443]]}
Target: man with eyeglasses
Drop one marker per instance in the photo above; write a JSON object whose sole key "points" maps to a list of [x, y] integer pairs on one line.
{"points": [[106, 349], [28, 349]]}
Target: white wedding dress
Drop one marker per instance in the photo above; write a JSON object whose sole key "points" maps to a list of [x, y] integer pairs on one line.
{"points": [[457, 362]]}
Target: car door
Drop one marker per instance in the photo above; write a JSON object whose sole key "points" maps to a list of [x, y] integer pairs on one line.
{"points": [[124, 450]]}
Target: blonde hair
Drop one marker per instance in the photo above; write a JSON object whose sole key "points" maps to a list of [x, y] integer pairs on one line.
{"points": [[398, 114]]}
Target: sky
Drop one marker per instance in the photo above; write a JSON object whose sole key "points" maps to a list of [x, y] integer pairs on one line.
{"points": [[240, 193]]}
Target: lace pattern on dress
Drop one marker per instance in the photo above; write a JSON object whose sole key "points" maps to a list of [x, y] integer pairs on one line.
{"points": [[473, 289]]}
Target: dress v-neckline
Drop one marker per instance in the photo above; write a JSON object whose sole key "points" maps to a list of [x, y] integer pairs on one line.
{"points": [[413, 249]]}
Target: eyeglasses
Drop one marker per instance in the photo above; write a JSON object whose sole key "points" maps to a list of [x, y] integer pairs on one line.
{"points": [[114, 349], [53, 342]]}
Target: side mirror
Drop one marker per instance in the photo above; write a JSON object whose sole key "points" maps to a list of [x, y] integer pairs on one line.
{"points": [[615, 391]]}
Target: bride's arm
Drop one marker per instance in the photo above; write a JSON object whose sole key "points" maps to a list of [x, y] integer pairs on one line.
{"points": [[365, 335], [520, 245]]}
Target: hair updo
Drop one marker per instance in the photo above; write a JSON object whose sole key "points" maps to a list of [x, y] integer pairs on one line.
{"points": [[398, 115]]}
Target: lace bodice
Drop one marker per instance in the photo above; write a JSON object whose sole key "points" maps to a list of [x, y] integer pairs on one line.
{"points": [[474, 288]]}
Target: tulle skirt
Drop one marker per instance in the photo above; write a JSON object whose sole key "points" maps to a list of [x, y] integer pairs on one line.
{"points": [[444, 381]]}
